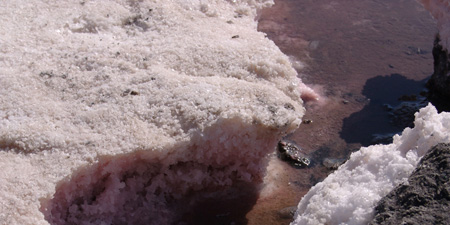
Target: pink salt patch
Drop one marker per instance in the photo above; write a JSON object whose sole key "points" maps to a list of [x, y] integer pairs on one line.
{"points": [[307, 93], [213, 180]]}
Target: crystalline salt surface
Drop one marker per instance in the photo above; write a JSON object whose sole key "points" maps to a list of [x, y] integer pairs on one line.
{"points": [[349, 195], [118, 110]]}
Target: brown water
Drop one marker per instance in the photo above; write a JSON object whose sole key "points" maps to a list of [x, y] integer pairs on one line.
{"points": [[360, 55]]}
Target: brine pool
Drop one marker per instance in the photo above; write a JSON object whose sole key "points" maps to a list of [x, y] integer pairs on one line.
{"points": [[364, 57]]}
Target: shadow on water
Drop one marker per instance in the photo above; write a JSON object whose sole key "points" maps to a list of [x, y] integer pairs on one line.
{"points": [[393, 101]]}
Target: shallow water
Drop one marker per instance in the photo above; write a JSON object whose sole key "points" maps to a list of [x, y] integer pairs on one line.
{"points": [[360, 55]]}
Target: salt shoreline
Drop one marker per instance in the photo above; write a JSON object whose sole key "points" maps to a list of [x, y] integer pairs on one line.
{"points": [[121, 131]]}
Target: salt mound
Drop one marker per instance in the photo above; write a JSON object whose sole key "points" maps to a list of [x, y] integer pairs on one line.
{"points": [[440, 10], [117, 110], [350, 194]]}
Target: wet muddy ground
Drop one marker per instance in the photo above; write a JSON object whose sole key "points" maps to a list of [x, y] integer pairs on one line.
{"points": [[365, 57]]}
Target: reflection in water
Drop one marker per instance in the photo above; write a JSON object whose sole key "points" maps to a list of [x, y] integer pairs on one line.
{"points": [[393, 101], [342, 44]]}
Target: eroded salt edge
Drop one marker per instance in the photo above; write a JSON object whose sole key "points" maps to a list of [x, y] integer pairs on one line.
{"points": [[94, 93], [350, 194]]}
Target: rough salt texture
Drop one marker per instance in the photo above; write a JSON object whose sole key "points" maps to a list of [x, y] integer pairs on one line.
{"points": [[113, 111], [440, 10], [350, 194], [425, 198]]}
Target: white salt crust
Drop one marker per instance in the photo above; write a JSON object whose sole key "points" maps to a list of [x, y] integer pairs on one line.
{"points": [[440, 10], [350, 194], [112, 107]]}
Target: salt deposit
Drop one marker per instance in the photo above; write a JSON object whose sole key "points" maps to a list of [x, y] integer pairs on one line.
{"points": [[349, 195], [117, 110], [440, 10]]}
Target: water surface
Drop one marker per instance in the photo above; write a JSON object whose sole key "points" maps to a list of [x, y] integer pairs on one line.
{"points": [[360, 55]]}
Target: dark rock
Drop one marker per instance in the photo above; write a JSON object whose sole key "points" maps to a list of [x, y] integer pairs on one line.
{"points": [[439, 83], [425, 198], [129, 92], [292, 153], [307, 121]]}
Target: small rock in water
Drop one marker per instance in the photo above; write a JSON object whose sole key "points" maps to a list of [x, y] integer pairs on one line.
{"points": [[307, 121], [290, 152], [332, 163], [287, 213]]}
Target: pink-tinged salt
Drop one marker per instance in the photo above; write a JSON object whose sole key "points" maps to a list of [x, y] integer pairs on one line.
{"points": [[117, 110]]}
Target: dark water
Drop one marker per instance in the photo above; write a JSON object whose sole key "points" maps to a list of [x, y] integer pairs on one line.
{"points": [[382, 115], [367, 58]]}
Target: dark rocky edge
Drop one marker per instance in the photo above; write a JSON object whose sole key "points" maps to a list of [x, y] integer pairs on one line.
{"points": [[439, 83], [425, 198], [290, 152]]}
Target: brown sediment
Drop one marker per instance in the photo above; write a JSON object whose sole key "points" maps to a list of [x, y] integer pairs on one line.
{"points": [[343, 44]]}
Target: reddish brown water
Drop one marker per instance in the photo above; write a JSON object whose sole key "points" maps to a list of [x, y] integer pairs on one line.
{"points": [[360, 54]]}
